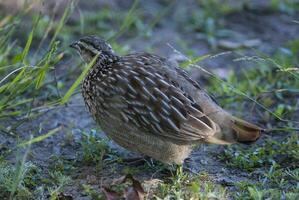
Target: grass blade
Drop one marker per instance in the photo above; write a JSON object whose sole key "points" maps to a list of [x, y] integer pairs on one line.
{"points": [[27, 47], [194, 60], [129, 19], [39, 138], [43, 70], [18, 174], [66, 14], [29, 41], [69, 93]]}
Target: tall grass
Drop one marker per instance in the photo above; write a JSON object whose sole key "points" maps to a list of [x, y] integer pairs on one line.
{"points": [[72, 89], [25, 80]]}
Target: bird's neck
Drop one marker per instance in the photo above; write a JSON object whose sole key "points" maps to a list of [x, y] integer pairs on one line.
{"points": [[107, 58], [103, 65], [213, 110]]}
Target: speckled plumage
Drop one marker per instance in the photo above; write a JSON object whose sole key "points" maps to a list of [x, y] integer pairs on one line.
{"points": [[147, 104]]}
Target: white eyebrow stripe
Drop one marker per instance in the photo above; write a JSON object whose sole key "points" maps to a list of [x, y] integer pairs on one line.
{"points": [[89, 47]]}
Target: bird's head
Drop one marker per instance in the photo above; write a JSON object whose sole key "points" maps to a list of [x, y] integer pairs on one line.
{"points": [[90, 46]]}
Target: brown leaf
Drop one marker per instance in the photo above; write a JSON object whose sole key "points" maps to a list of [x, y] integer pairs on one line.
{"points": [[131, 194], [134, 192], [110, 194], [119, 180], [138, 187]]}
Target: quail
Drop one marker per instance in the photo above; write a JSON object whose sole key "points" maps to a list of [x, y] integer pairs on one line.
{"points": [[147, 104]]}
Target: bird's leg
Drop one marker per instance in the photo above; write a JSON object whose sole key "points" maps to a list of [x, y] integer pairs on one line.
{"points": [[138, 161], [187, 167]]}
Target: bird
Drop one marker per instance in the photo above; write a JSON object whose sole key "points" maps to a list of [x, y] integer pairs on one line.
{"points": [[149, 105]]}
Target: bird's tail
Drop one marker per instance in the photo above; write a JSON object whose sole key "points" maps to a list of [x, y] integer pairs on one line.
{"points": [[240, 131], [245, 131]]}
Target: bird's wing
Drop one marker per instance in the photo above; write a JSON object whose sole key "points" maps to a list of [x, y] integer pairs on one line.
{"points": [[154, 101]]}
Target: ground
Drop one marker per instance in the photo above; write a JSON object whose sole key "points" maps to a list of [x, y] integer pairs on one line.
{"points": [[251, 49]]}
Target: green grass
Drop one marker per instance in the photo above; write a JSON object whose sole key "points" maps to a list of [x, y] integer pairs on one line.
{"points": [[285, 6], [7, 181], [264, 155], [96, 151], [267, 87], [271, 84], [183, 185], [279, 162], [24, 79], [206, 21], [26, 85]]}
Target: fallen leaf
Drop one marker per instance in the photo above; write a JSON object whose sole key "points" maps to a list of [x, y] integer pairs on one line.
{"points": [[110, 194], [119, 180], [133, 192], [137, 189]]}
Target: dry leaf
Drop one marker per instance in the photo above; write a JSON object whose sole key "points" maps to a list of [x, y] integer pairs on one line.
{"points": [[134, 192], [110, 194]]}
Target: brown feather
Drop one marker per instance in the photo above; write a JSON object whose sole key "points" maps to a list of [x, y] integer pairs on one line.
{"points": [[147, 104]]}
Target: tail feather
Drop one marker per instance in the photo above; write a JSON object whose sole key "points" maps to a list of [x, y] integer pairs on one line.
{"points": [[240, 131], [245, 131]]}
